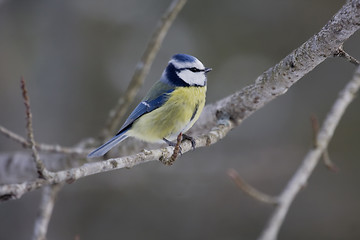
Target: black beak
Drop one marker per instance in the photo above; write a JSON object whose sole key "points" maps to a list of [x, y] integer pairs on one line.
{"points": [[207, 70]]}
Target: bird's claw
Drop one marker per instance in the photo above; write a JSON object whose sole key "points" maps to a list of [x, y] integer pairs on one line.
{"points": [[191, 139]]}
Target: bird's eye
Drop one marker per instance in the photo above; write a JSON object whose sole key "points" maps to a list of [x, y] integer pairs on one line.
{"points": [[194, 69]]}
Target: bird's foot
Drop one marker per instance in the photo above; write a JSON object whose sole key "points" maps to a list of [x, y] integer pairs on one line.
{"points": [[191, 139]]}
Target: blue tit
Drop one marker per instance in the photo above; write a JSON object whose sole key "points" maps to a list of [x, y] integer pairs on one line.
{"points": [[172, 105]]}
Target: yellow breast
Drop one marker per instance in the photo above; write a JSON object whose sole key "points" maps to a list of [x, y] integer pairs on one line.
{"points": [[178, 114]]}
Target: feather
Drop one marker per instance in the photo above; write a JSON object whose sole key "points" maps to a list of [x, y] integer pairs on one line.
{"points": [[100, 151], [156, 97]]}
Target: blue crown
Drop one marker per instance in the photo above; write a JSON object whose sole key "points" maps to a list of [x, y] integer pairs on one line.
{"points": [[184, 58]]}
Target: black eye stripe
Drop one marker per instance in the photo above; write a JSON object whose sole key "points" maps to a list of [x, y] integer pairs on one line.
{"points": [[193, 69]]}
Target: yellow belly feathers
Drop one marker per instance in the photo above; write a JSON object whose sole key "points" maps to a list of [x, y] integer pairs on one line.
{"points": [[184, 104]]}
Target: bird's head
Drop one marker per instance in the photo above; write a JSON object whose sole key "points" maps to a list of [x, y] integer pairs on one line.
{"points": [[185, 70]]}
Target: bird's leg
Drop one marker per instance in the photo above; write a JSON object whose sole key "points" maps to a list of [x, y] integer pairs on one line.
{"points": [[177, 143], [191, 139], [177, 149]]}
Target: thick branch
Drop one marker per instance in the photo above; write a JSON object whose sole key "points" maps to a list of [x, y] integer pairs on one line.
{"points": [[301, 176], [278, 79], [14, 191]]}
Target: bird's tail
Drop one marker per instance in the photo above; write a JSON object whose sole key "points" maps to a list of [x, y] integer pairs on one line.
{"points": [[100, 151]]}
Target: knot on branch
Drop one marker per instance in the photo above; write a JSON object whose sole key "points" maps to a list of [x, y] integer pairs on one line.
{"points": [[222, 115]]}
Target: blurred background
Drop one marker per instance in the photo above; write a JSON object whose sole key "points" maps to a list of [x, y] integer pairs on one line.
{"points": [[78, 57]]}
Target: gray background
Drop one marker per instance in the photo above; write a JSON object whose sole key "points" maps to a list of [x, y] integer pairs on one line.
{"points": [[78, 57]]}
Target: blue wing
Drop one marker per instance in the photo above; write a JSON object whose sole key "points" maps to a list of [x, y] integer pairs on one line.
{"points": [[156, 97], [144, 107]]}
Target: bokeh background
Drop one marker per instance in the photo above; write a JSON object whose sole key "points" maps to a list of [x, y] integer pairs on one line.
{"points": [[78, 57]]}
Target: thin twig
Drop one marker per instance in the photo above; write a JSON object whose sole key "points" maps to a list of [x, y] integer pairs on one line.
{"points": [[14, 136], [250, 190], [341, 53], [40, 167], [327, 161], [42, 146], [143, 67], [47, 203], [311, 159]]}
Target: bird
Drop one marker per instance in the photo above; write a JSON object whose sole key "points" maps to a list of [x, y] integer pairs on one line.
{"points": [[172, 106]]}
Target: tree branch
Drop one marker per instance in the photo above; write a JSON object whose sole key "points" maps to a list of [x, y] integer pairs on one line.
{"points": [[40, 167], [272, 83], [251, 191], [43, 146], [303, 173], [15, 191], [45, 211], [143, 67], [341, 53], [327, 161], [278, 79]]}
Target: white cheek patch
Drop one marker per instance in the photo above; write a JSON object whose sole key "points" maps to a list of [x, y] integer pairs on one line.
{"points": [[192, 78]]}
